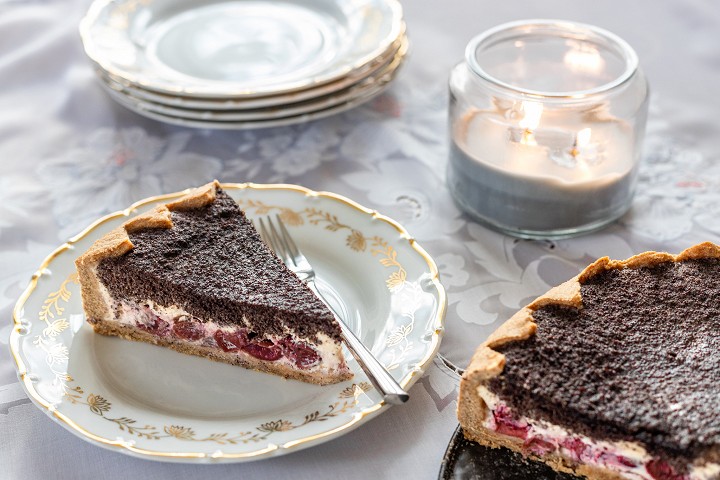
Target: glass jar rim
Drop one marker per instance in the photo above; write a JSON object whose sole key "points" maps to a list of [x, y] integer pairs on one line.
{"points": [[627, 52]]}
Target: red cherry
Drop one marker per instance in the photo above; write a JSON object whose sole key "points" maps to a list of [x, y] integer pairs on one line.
{"points": [[191, 330], [263, 350], [154, 324], [615, 460], [231, 341], [576, 446], [625, 461], [661, 470], [539, 446], [300, 353], [507, 425]]}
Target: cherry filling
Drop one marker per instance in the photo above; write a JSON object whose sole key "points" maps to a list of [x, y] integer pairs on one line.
{"points": [[152, 323], [188, 329], [301, 354], [231, 341], [660, 470], [539, 446], [264, 350], [507, 424], [576, 447]]}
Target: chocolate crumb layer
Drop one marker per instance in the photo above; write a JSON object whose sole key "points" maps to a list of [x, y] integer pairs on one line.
{"points": [[213, 264], [640, 360]]}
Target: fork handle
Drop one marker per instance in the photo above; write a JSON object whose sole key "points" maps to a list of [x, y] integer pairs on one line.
{"points": [[391, 391], [381, 379]]}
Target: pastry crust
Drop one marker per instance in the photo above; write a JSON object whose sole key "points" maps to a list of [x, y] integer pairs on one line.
{"points": [[197, 198], [117, 242], [488, 363]]}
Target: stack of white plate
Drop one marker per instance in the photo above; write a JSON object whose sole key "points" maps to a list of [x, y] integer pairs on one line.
{"points": [[244, 63]]}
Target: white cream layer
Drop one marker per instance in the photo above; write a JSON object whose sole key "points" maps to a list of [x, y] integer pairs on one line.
{"points": [[604, 454], [330, 351]]}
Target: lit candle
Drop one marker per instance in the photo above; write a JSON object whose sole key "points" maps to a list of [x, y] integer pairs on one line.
{"points": [[549, 178], [551, 163]]}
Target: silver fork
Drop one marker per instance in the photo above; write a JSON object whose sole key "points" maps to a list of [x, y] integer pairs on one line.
{"points": [[280, 241]]}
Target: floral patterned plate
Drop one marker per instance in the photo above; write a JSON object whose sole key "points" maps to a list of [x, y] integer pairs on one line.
{"points": [[155, 403]]}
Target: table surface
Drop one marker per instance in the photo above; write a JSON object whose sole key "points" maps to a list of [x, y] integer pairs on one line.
{"points": [[69, 154]]}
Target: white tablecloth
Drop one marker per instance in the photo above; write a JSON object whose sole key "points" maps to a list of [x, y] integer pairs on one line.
{"points": [[68, 154]]}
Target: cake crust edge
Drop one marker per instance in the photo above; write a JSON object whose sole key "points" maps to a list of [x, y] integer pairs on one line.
{"points": [[117, 242]]}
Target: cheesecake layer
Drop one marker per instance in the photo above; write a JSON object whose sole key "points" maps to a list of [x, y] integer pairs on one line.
{"points": [[323, 355]]}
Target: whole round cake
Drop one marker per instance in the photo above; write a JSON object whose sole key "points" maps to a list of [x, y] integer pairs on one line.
{"points": [[614, 374]]}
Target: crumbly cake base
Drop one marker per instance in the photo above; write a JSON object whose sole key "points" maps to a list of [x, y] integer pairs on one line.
{"points": [[131, 333]]}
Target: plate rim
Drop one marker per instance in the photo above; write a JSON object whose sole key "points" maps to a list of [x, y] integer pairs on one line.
{"points": [[400, 47], [448, 458], [270, 449], [165, 86], [251, 124], [354, 95]]}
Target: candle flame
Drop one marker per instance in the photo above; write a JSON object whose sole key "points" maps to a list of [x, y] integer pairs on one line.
{"points": [[533, 112], [582, 139], [531, 120]]}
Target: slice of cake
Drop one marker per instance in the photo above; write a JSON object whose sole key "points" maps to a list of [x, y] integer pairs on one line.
{"points": [[613, 374], [193, 275]]}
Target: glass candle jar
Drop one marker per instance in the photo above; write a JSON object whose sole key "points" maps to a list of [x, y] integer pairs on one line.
{"points": [[546, 120]]}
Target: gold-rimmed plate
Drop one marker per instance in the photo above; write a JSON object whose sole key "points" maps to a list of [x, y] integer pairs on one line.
{"points": [[155, 403]]}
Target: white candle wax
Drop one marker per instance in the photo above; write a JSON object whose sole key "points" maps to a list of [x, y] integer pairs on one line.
{"points": [[559, 173]]}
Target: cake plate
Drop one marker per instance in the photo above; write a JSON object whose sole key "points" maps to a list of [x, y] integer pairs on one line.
{"points": [[158, 404]]}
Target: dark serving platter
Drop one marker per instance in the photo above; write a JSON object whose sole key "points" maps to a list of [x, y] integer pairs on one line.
{"points": [[466, 460]]}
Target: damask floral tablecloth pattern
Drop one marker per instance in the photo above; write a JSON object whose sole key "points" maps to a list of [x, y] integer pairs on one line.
{"points": [[68, 155]]}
